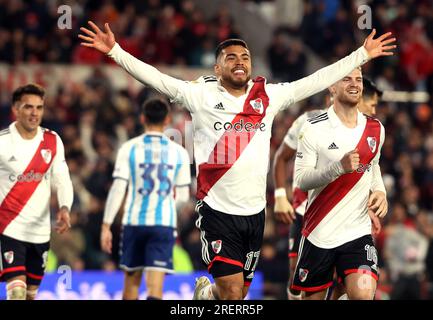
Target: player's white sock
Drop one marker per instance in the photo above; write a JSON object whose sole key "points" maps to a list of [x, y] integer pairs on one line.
{"points": [[16, 290], [203, 289], [207, 293]]}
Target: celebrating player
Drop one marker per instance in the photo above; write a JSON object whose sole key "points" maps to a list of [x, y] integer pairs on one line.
{"points": [[232, 116], [32, 160], [338, 163]]}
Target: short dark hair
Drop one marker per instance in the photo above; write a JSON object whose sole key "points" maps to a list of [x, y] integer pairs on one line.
{"points": [[228, 43], [155, 111], [370, 88], [31, 88]]}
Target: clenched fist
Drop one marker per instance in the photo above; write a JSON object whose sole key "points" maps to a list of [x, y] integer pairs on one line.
{"points": [[350, 161]]}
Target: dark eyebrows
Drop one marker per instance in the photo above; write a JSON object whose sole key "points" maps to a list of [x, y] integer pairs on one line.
{"points": [[27, 105]]}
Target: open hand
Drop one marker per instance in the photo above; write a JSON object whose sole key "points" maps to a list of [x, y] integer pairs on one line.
{"points": [[380, 46], [98, 39]]}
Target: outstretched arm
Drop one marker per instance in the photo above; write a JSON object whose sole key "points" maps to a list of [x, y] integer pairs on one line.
{"points": [[105, 42], [327, 76]]}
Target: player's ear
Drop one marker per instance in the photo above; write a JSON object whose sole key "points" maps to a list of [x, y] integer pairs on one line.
{"points": [[142, 119], [217, 69], [14, 108], [167, 120]]}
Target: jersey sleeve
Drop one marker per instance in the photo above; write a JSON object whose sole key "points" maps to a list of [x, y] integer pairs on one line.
{"points": [[307, 176], [183, 92], [291, 138], [183, 176], [61, 179], [290, 93], [121, 167]]}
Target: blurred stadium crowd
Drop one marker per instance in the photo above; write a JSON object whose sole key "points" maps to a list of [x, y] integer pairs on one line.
{"points": [[94, 119]]}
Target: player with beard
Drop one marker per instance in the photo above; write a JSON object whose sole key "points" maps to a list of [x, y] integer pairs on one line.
{"points": [[338, 164], [232, 116]]}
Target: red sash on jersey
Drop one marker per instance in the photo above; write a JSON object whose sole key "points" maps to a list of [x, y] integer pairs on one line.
{"points": [[21, 192], [253, 112], [337, 190], [299, 197]]}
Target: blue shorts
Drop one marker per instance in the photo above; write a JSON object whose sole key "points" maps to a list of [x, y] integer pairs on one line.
{"points": [[147, 248]]}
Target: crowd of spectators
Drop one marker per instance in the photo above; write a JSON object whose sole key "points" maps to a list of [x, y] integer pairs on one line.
{"points": [[94, 119]]}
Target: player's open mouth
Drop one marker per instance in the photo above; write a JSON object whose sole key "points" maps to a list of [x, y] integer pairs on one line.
{"points": [[353, 92], [239, 72]]}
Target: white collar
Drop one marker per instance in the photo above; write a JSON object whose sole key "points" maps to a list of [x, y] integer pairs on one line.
{"points": [[14, 131], [335, 120]]}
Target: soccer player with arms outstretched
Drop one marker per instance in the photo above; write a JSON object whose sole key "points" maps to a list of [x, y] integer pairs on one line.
{"points": [[232, 116]]}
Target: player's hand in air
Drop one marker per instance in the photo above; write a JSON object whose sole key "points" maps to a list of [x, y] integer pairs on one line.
{"points": [[103, 41], [106, 238], [376, 226], [63, 220], [380, 46], [283, 210], [378, 204], [350, 161]]}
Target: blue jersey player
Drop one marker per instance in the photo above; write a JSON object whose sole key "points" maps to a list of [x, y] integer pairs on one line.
{"points": [[150, 167]]}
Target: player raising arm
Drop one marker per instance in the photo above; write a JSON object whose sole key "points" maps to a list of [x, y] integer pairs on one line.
{"points": [[232, 117]]}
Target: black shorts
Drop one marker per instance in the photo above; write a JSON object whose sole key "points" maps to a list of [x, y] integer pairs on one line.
{"points": [[19, 258], [315, 269], [295, 234], [230, 243]]}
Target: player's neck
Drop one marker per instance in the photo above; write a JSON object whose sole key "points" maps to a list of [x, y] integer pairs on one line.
{"points": [[153, 128], [234, 91], [24, 133], [348, 114]]}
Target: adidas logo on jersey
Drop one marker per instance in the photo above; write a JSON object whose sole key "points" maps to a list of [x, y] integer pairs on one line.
{"points": [[332, 146], [219, 106]]}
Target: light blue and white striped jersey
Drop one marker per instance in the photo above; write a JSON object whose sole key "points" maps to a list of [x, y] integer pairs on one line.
{"points": [[153, 165]]}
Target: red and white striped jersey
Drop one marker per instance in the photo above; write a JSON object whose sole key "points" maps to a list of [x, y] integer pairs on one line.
{"points": [[299, 197], [232, 134], [337, 203], [28, 170]]}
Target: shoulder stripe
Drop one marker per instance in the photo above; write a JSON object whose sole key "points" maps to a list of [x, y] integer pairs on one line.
{"points": [[320, 116], [5, 131], [210, 78], [319, 120]]}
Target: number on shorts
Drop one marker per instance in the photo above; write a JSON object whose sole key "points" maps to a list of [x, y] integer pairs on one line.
{"points": [[249, 265], [371, 253]]}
